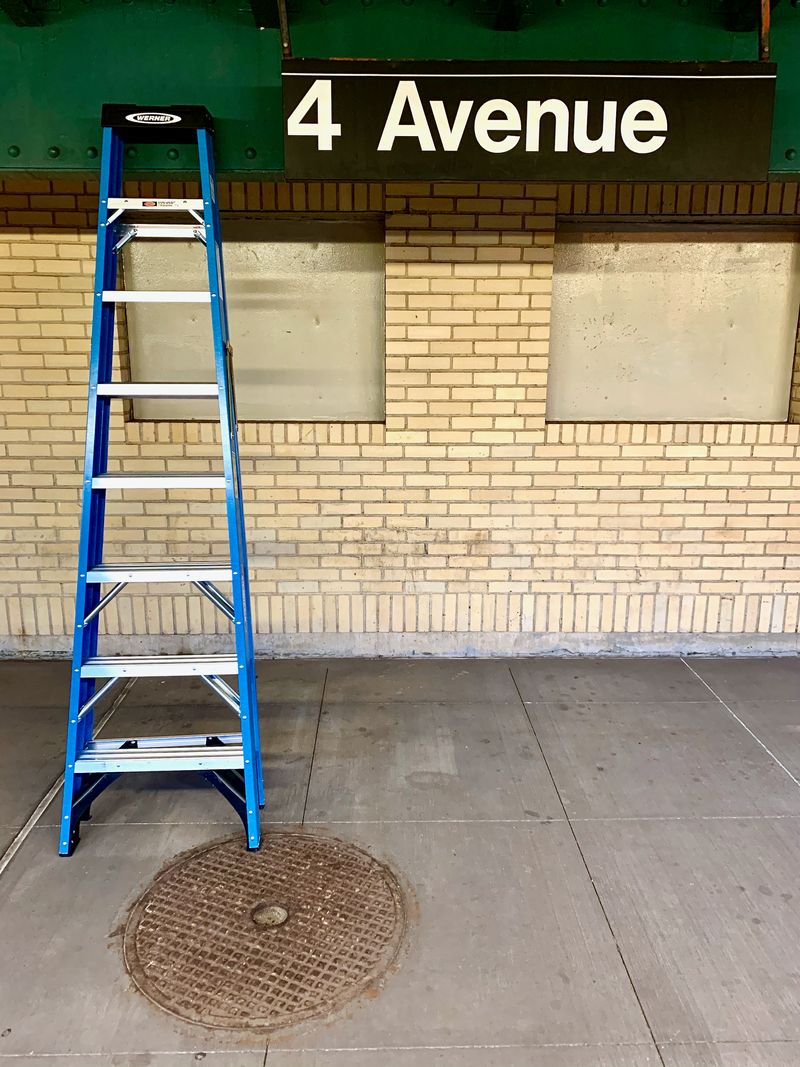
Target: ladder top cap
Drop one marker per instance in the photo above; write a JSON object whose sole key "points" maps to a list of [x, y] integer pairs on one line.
{"points": [[170, 124]]}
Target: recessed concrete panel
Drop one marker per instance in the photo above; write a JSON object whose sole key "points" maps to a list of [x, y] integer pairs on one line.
{"points": [[679, 325], [306, 312]]}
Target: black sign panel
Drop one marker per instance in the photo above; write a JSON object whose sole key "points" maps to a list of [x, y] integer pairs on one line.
{"points": [[382, 121]]}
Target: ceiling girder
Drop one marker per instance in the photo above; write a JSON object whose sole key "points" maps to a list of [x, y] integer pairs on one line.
{"points": [[509, 15]]}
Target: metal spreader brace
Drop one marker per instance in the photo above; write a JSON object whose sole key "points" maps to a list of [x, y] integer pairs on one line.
{"points": [[231, 761]]}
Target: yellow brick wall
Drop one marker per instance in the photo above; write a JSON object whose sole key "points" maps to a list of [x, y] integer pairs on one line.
{"points": [[465, 524]]}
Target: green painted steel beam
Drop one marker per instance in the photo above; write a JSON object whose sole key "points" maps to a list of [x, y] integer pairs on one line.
{"points": [[55, 78]]}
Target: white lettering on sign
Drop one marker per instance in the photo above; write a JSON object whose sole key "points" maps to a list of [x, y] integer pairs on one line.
{"points": [[324, 129], [486, 124], [560, 112], [497, 125], [451, 135], [406, 96], [608, 132], [655, 123]]}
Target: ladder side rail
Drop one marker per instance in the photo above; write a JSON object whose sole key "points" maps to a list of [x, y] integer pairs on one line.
{"points": [[233, 493], [211, 211], [90, 548], [205, 148], [244, 574], [244, 577], [98, 417]]}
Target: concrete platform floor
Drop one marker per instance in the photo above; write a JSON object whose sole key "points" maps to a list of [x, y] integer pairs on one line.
{"points": [[605, 856]]}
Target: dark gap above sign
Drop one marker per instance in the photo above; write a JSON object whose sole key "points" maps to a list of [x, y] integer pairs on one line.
{"points": [[370, 120]]}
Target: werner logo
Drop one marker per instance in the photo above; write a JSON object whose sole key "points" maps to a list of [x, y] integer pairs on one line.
{"points": [[153, 118], [496, 125]]}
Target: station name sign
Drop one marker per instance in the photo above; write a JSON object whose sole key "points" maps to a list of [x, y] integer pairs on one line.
{"points": [[373, 120]]}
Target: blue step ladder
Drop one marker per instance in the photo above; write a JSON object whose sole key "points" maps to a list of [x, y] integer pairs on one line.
{"points": [[231, 761]]}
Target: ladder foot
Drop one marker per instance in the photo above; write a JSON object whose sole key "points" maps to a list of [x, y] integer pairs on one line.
{"points": [[231, 783], [80, 810], [66, 849]]}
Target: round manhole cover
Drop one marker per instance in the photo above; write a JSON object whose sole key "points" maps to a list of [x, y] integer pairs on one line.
{"points": [[231, 938]]}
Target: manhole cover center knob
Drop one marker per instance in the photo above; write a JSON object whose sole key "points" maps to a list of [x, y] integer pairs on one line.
{"points": [[269, 915]]}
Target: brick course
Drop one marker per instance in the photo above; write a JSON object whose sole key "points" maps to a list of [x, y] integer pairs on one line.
{"points": [[465, 522]]}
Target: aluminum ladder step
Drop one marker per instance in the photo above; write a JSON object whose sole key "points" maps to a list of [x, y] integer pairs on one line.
{"points": [[119, 755], [143, 296], [158, 389], [137, 203], [158, 481], [158, 666], [180, 230], [162, 572]]}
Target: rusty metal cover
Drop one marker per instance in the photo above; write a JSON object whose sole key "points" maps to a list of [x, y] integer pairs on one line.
{"points": [[231, 938]]}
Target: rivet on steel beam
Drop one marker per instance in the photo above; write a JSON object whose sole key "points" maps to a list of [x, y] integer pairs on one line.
{"points": [[13, 150], [131, 152], [251, 153], [91, 152], [173, 153], [791, 153], [54, 151]]}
